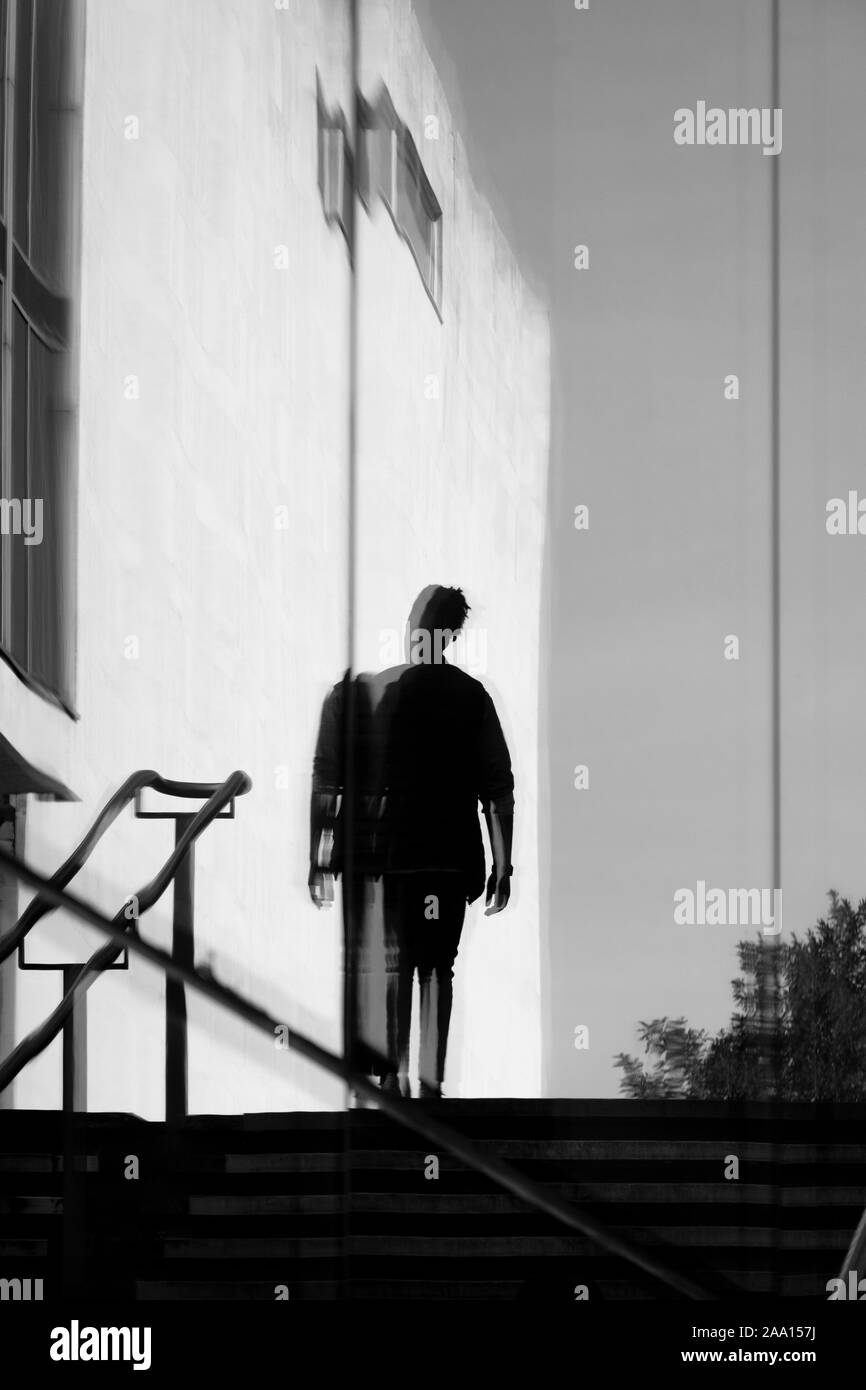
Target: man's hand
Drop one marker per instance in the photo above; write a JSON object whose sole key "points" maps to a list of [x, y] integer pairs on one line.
{"points": [[498, 893], [321, 884], [500, 827]]}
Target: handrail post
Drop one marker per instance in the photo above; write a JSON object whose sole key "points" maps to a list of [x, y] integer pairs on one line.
{"points": [[74, 1047], [183, 951], [73, 1238]]}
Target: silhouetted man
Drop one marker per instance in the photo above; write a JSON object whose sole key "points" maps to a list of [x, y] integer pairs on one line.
{"points": [[427, 748]]}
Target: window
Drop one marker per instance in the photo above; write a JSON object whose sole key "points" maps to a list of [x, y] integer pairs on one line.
{"points": [[418, 214], [391, 167], [336, 173], [40, 150]]}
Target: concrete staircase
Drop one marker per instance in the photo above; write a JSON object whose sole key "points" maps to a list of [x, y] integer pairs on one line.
{"points": [[327, 1206]]}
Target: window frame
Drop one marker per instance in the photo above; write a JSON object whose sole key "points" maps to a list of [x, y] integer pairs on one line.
{"points": [[50, 318], [335, 165], [380, 125]]}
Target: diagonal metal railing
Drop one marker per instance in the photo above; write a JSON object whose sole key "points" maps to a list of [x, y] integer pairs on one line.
{"points": [[40, 906], [403, 1112]]}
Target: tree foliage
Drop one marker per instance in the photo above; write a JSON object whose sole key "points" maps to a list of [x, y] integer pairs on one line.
{"points": [[798, 1030]]}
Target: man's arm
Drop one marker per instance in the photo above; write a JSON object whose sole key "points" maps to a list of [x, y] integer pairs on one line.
{"points": [[320, 880], [497, 798], [500, 828], [325, 801]]}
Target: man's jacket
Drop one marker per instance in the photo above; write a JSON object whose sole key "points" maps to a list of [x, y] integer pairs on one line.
{"points": [[426, 749]]}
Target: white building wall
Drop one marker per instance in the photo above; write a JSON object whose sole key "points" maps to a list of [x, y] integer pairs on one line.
{"points": [[241, 370], [242, 378], [452, 490]]}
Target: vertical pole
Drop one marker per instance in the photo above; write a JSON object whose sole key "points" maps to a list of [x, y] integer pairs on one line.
{"points": [[772, 974], [348, 808], [74, 1048], [73, 1239], [183, 951], [7, 312], [349, 895], [11, 829]]}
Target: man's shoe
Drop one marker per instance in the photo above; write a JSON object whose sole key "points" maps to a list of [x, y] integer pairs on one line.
{"points": [[397, 1085]]}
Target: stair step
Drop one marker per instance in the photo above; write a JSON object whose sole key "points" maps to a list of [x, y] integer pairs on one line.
{"points": [[37, 1205], [456, 1290], [202, 1290], [357, 1160], [440, 1201], [41, 1163], [23, 1248], [268, 1204], [252, 1247], [338, 1206]]}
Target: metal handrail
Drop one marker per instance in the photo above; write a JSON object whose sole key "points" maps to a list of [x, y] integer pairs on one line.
{"points": [[236, 784], [404, 1112], [39, 906], [855, 1256], [134, 784]]}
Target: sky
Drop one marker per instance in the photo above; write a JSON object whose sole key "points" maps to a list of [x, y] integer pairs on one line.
{"points": [[569, 120]]}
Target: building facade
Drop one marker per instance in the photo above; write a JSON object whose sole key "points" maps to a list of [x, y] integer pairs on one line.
{"points": [[199, 431]]}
